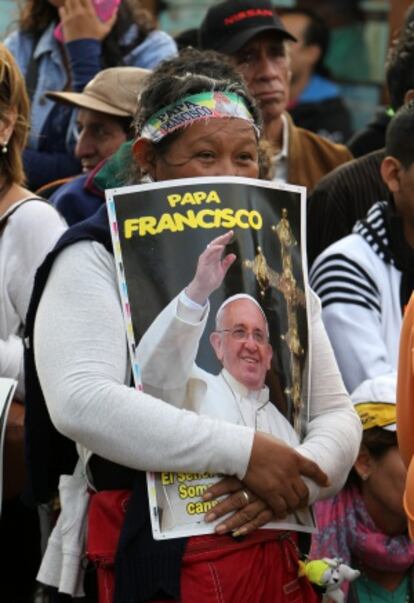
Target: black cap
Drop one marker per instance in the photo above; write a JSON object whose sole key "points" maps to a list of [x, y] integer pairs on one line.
{"points": [[229, 25]]}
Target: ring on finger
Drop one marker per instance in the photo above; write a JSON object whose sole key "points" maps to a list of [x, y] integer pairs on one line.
{"points": [[245, 494]]}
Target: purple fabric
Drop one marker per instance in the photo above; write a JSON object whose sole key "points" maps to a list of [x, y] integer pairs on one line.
{"points": [[346, 530]]}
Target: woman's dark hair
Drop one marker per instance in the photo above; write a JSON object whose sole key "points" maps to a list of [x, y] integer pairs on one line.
{"points": [[377, 441], [399, 138], [191, 72], [36, 16], [114, 47]]}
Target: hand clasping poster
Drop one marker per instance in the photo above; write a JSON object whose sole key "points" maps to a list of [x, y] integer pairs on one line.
{"points": [[159, 231]]}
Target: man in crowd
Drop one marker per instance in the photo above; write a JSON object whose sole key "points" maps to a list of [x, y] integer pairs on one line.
{"points": [[365, 280], [107, 106], [254, 37], [315, 100], [345, 195]]}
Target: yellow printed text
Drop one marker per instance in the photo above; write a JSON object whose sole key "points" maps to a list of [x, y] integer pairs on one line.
{"points": [[167, 478], [205, 218], [197, 508], [185, 491], [193, 198], [190, 477]]}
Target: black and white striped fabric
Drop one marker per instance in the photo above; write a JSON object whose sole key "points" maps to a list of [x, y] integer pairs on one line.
{"points": [[359, 281], [337, 278]]}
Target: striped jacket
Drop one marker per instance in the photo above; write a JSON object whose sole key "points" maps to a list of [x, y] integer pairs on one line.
{"points": [[359, 287]]}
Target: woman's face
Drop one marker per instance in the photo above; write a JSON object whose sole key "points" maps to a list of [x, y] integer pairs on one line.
{"points": [[384, 488], [218, 147], [7, 126]]}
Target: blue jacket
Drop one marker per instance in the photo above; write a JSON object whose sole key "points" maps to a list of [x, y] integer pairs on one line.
{"points": [[78, 199], [81, 197], [85, 62]]}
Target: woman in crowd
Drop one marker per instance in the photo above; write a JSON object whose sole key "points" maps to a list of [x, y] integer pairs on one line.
{"points": [[365, 523], [28, 229], [85, 379], [61, 45]]}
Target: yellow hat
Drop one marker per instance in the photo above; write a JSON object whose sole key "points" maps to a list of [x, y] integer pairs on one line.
{"points": [[374, 400]]}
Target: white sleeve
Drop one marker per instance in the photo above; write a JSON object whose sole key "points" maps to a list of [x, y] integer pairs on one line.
{"points": [[11, 361], [346, 283], [356, 337], [167, 351], [334, 431], [33, 230], [35, 227], [81, 359]]}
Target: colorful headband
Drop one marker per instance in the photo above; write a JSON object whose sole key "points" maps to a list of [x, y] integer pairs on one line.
{"points": [[376, 414], [190, 109]]}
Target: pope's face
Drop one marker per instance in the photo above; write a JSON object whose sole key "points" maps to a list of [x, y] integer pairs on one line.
{"points": [[241, 343]]}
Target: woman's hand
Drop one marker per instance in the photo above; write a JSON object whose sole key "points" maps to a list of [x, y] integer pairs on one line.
{"points": [[272, 488], [250, 512], [275, 474], [79, 21]]}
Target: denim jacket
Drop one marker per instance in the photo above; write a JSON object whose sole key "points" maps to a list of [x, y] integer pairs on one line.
{"points": [[84, 57], [52, 74]]}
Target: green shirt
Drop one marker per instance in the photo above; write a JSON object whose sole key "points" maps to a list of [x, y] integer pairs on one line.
{"points": [[371, 592]]}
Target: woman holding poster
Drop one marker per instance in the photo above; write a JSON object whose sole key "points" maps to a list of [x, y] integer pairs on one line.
{"points": [[195, 119]]}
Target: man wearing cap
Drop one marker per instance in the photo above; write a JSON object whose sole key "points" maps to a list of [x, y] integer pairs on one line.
{"points": [[254, 37], [106, 106], [166, 356]]}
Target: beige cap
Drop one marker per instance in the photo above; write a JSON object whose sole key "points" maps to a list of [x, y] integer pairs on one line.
{"points": [[113, 91]]}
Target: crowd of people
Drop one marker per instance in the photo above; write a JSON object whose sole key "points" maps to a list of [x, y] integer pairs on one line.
{"points": [[91, 101]]}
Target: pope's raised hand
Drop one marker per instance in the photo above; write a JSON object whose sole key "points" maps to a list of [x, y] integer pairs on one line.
{"points": [[212, 267]]}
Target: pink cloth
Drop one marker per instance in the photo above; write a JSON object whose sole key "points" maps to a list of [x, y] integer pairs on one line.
{"points": [[346, 530]]}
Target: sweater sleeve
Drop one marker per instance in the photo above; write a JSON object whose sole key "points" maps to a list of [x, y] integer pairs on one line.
{"points": [[167, 351], [82, 363], [334, 430], [11, 361], [35, 228], [84, 61]]}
